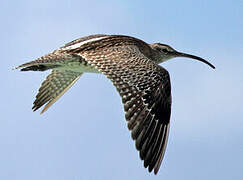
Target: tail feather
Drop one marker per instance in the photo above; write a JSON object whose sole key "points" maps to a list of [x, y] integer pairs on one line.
{"points": [[40, 67], [46, 62]]}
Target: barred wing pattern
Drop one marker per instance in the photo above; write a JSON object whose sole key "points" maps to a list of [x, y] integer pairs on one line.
{"points": [[146, 94], [55, 85]]}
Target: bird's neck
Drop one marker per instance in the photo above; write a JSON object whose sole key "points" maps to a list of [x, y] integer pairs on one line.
{"points": [[158, 58]]}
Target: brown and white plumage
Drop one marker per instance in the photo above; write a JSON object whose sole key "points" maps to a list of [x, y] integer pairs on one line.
{"points": [[132, 66], [55, 85]]}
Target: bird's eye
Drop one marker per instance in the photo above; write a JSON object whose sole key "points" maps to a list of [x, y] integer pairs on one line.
{"points": [[165, 50]]}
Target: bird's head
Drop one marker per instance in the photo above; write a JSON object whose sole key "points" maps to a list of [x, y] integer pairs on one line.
{"points": [[165, 52]]}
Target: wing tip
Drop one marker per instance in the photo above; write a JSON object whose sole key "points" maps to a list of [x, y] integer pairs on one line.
{"points": [[158, 163], [46, 107], [156, 167], [35, 108]]}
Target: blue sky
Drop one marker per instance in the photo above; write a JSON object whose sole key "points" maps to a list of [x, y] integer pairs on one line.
{"points": [[84, 135]]}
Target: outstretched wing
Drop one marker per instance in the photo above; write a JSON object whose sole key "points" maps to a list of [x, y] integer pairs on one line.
{"points": [[54, 86], [146, 94]]}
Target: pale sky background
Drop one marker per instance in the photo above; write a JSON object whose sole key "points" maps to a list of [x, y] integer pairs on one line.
{"points": [[84, 135]]}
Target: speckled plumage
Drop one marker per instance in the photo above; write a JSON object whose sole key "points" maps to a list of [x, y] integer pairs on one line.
{"points": [[55, 85], [132, 66]]}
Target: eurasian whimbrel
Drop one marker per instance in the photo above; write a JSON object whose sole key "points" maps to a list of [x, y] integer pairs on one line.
{"points": [[132, 66]]}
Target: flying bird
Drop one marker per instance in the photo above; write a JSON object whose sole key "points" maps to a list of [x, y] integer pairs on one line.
{"points": [[132, 66]]}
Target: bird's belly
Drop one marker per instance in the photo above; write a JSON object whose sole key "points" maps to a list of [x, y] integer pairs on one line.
{"points": [[78, 67]]}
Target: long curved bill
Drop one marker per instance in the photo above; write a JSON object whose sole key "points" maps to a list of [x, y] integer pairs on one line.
{"points": [[179, 54]]}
